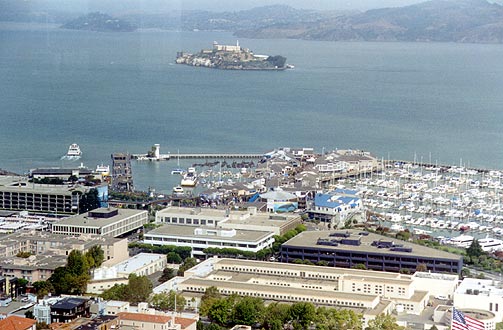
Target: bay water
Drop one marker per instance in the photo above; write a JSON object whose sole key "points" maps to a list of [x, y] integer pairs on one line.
{"points": [[122, 92]]}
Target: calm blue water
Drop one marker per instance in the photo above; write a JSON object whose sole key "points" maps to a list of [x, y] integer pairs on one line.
{"points": [[113, 92]]}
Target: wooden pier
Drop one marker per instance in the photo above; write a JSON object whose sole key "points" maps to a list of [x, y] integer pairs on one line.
{"points": [[197, 156]]}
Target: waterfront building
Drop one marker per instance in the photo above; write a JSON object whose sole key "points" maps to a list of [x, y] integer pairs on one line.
{"points": [[122, 174], [62, 173], [202, 237], [17, 193], [14, 322], [355, 248], [227, 219], [280, 201], [334, 207], [103, 221]]}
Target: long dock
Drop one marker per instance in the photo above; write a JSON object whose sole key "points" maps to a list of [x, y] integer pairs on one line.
{"points": [[196, 156]]}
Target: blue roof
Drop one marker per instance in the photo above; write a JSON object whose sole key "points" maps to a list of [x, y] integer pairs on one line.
{"points": [[328, 200], [345, 191]]}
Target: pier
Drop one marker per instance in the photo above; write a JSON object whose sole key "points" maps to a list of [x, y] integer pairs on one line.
{"points": [[197, 156]]}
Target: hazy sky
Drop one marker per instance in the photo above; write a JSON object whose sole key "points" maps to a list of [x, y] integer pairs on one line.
{"points": [[215, 5]]}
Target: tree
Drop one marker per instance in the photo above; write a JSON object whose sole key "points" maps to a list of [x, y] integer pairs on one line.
{"points": [[43, 288], [117, 292], [210, 296], [77, 263], [302, 313], [384, 322], [220, 312], [167, 274], [276, 315], [139, 288], [422, 267], [95, 256], [248, 311], [174, 258], [23, 254], [29, 314], [187, 264], [474, 250], [168, 301]]}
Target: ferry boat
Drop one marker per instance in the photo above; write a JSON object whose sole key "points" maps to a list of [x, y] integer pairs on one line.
{"points": [[74, 151], [190, 178]]}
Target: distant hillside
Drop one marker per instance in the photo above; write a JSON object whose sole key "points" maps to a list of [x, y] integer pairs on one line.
{"points": [[99, 22], [475, 21], [226, 21]]}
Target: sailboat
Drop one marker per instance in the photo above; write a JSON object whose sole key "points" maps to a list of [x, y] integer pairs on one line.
{"points": [[178, 170]]}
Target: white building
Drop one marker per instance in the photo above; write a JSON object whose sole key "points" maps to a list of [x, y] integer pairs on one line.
{"points": [[103, 221], [200, 238], [481, 294]]}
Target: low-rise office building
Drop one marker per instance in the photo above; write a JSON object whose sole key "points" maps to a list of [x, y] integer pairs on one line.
{"points": [[68, 309], [480, 294], [200, 238], [103, 221], [367, 250], [34, 268], [246, 220]]}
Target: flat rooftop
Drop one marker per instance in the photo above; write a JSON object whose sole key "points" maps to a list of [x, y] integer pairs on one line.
{"points": [[21, 184], [180, 231], [309, 239], [484, 287], [138, 261], [314, 269], [287, 291], [83, 220]]}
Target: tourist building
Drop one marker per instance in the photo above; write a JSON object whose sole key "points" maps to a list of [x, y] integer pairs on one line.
{"points": [[355, 248], [103, 221], [334, 207]]}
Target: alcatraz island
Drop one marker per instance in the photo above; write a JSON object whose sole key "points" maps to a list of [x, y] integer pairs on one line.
{"points": [[232, 57]]}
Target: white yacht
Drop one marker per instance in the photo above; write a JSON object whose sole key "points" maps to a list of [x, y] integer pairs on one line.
{"points": [[491, 244], [104, 170], [74, 151], [463, 241], [190, 178], [177, 190]]}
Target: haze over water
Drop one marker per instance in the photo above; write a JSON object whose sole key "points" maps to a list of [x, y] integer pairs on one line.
{"points": [[112, 92]]}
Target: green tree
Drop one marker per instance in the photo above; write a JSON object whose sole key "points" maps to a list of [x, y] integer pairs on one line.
{"points": [[187, 264], [43, 288], [168, 301], [384, 322], [248, 311], [23, 254], [95, 256], [275, 315], [76, 263], [302, 313], [421, 267], [167, 274], [474, 250], [220, 312], [210, 296], [117, 292], [174, 258], [29, 314], [139, 288]]}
